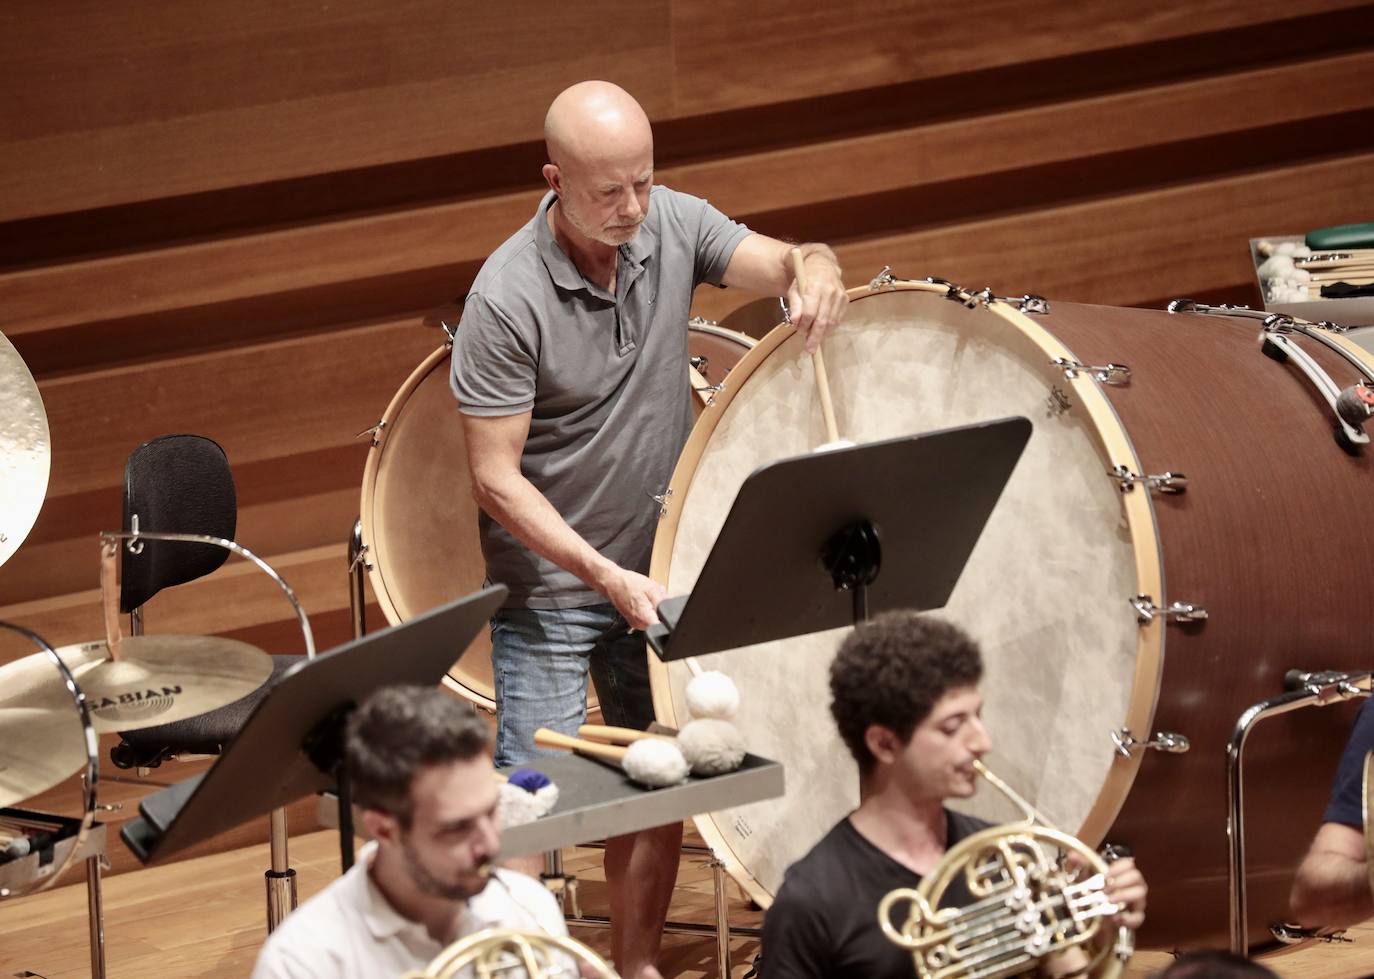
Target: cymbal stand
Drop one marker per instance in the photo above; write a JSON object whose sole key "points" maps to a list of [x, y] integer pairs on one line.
{"points": [[86, 833], [279, 878]]}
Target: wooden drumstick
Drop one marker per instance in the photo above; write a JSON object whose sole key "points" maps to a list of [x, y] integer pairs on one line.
{"points": [[649, 761], [832, 431], [616, 735], [545, 738]]}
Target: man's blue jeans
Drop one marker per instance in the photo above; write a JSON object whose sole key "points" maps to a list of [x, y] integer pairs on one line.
{"points": [[540, 661]]}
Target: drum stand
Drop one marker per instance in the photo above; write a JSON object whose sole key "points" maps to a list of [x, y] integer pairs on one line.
{"points": [[85, 838], [1306, 690], [561, 884]]}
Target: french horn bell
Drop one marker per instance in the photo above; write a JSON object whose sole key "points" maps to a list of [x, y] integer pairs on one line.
{"points": [[1029, 903]]}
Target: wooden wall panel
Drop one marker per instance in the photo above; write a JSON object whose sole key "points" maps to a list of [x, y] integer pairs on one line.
{"points": [[1001, 142], [175, 100], [287, 414], [820, 50], [231, 218], [1117, 251]]}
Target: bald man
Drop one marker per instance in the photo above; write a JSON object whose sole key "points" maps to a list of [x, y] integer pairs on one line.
{"points": [[570, 370]]}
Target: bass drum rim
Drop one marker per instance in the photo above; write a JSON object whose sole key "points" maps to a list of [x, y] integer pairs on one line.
{"points": [[382, 589], [1113, 444]]}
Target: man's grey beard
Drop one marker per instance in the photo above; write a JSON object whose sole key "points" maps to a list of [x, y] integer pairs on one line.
{"points": [[599, 234]]}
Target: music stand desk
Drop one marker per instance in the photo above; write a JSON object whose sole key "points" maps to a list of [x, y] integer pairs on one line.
{"points": [[288, 746], [596, 801], [823, 540]]}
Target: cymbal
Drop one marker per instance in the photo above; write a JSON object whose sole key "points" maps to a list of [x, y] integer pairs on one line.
{"points": [[25, 450], [39, 747], [156, 680]]}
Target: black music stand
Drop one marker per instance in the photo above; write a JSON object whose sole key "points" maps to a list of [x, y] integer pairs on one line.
{"points": [[291, 745], [804, 531]]}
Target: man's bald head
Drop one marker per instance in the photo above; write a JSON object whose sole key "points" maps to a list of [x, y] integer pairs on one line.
{"points": [[593, 120], [601, 164]]}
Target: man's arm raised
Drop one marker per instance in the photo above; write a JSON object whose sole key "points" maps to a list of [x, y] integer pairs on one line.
{"points": [[494, 448], [764, 265]]}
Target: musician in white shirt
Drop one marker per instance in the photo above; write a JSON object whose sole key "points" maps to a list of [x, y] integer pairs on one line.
{"points": [[421, 773]]}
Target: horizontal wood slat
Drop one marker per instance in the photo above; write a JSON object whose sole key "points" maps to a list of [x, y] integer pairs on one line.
{"points": [[238, 596], [870, 43]]}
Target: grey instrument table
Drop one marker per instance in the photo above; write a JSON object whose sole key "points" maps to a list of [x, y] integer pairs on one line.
{"points": [[596, 801]]}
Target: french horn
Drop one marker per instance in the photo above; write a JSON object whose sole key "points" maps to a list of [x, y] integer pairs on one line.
{"points": [[1028, 905], [505, 953]]}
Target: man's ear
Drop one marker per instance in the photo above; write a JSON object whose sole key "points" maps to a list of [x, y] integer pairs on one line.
{"points": [[882, 743], [381, 826], [553, 176]]}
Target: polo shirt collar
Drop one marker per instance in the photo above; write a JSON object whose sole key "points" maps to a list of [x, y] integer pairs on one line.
{"points": [[642, 245], [561, 268]]}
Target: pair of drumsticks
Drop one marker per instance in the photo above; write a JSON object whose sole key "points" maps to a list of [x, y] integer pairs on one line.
{"points": [[598, 741], [651, 759], [1353, 266]]}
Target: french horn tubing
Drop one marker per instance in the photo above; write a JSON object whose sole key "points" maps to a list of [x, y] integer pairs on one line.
{"points": [[1028, 904], [506, 953]]}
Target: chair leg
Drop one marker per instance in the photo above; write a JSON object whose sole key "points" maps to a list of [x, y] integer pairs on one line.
{"points": [[281, 879]]}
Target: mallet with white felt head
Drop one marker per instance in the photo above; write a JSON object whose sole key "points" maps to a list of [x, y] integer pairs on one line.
{"points": [[653, 761]]}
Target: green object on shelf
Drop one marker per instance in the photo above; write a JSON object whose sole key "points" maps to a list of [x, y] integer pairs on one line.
{"points": [[1342, 236]]}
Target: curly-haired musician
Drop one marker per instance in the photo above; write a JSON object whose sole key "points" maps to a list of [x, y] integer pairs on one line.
{"points": [[421, 770], [1332, 887], [905, 699]]}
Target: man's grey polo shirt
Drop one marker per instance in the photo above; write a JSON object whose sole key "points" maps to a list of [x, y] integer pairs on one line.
{"points": [[604, 377]]}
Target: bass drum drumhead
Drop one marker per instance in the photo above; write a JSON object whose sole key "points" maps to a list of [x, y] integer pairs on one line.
{"points": [[904, 361], [419, 520]]}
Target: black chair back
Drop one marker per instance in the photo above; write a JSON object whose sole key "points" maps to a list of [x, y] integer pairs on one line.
{"points": [[175, 484]]}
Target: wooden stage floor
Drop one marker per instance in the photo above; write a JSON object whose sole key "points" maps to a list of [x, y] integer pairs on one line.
{"points": [[203, 918]]}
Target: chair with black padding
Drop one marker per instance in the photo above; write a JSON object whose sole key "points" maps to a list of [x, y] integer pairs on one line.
{"points": [[180, 515]]}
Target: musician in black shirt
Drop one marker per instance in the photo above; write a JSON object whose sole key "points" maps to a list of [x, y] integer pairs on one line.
{"points": [[905, 698]]}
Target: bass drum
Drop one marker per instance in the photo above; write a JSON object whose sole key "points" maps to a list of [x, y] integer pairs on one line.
{"points": [[1063, 587], [419, 521]]}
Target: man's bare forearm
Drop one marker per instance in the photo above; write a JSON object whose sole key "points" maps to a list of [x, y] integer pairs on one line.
{"points": [[514, 503]]}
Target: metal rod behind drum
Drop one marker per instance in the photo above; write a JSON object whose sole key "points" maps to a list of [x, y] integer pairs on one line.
{"points": [[1334, 688]]}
